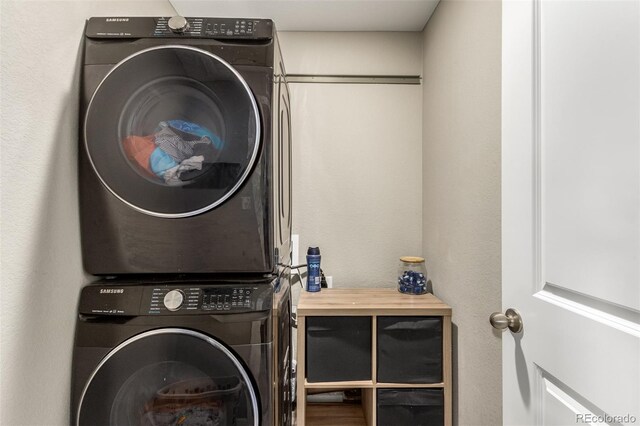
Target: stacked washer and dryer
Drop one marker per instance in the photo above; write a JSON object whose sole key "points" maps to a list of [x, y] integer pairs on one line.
{"points": [[185, 199]]}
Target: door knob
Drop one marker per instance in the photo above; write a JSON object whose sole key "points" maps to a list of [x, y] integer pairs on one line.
{"points": [[511, 318]]}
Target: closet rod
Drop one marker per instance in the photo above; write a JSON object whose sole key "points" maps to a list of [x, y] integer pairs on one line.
{"points": [[353, 79]]}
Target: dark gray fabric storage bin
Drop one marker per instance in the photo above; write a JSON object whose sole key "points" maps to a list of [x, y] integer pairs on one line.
{"points": [[338, 349], [410, 407], [409, 349]]}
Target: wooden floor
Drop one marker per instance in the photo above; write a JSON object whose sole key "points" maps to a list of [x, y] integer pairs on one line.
{"points": [[335, 415]]}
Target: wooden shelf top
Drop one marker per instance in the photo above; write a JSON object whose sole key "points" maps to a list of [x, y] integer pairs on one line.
{"points": [[369, 301], [367, 384]]}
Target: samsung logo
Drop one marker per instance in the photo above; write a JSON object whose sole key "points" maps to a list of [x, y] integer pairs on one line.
{"points": [[111, 290], [117, 19]]}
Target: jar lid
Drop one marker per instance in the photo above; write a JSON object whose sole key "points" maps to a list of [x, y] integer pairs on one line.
{"points": [[412, 259]]}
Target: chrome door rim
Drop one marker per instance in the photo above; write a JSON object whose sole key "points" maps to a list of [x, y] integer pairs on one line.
{"points": [[242, 178], [201, 336]]}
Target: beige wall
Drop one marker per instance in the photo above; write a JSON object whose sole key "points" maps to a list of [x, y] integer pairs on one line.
{"points": [[357, 153], [41, 262], [352, 53], [461, 192]]}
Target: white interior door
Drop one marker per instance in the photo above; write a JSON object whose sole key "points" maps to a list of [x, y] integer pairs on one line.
{"points": [[571, 211]]}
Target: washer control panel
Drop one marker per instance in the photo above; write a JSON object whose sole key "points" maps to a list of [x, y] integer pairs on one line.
{"points": [[167, 299], [176, 298], [226, 299], [206, 299]]}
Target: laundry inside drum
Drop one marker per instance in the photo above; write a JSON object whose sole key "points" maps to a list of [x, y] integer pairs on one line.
{"points": [[172, 131]]}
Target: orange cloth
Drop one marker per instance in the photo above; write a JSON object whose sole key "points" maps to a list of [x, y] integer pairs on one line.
{"points": [[139, 149]]}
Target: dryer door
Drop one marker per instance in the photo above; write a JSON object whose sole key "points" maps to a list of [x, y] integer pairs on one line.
{"points": [[169, 377], [172, 131]]}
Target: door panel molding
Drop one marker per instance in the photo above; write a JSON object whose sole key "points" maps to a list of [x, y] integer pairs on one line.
{"points": [[616, 316], [586, 179], [557, 400], [536, 120]]}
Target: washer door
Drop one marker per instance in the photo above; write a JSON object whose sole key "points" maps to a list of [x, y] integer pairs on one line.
{"points": [[169, 377], [172, 131]]}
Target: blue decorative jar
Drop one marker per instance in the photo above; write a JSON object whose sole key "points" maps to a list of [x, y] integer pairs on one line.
{"points": [[412, 275]]}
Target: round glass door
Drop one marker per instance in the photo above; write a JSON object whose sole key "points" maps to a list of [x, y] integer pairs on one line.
{"points": [[172, 131], [169, 377]]}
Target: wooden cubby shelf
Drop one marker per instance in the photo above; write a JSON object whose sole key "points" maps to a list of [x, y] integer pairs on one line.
{"points": [[339, 385], [404, 329]]}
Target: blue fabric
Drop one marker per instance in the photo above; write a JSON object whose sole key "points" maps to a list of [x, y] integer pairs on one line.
{"points": [[160, 162], [194, 129]]}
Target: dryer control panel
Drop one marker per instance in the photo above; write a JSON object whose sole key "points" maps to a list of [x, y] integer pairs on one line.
{"points": [[179, 27]]}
